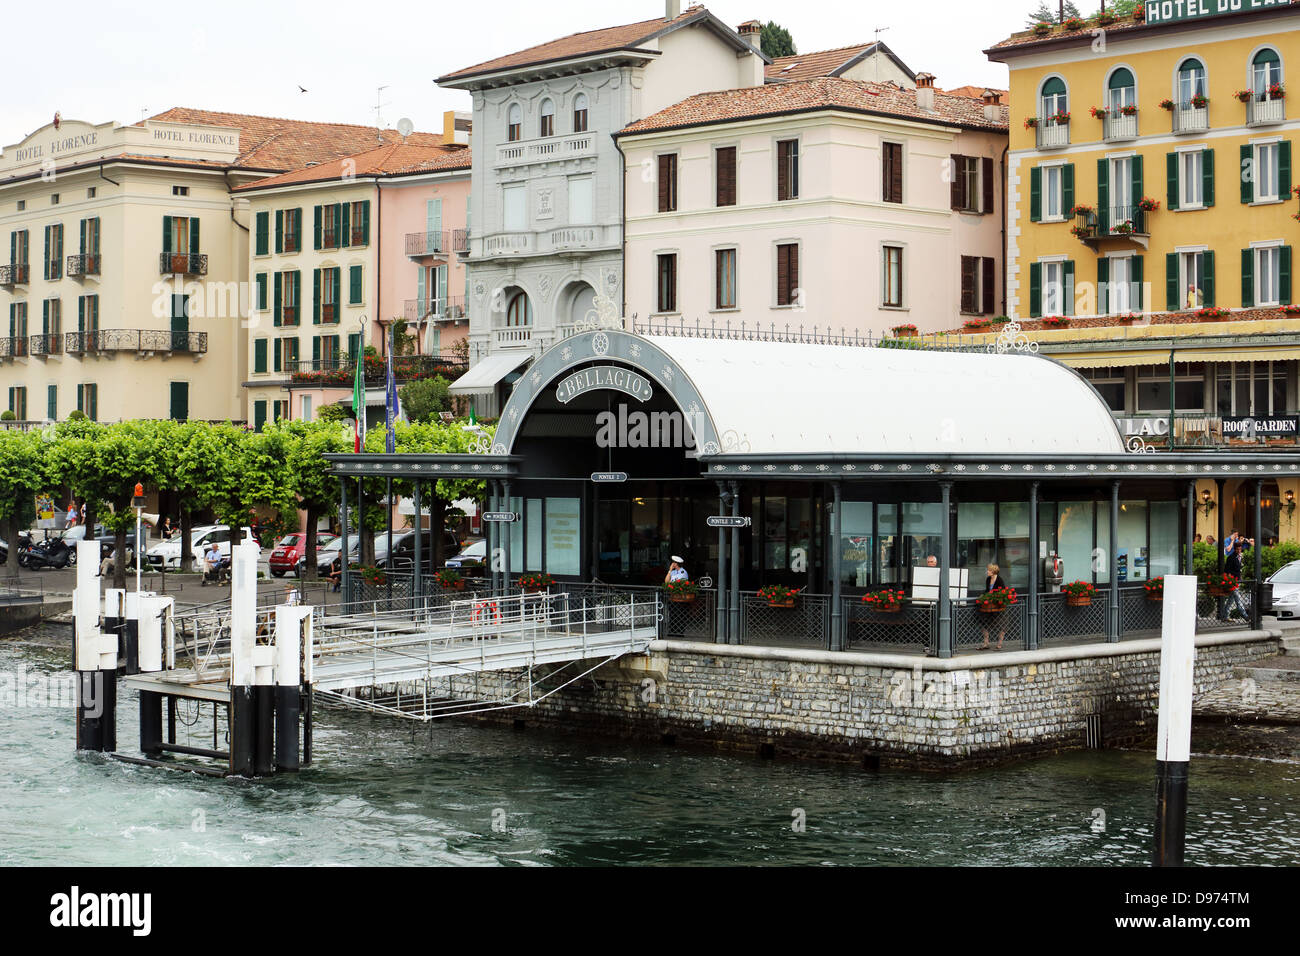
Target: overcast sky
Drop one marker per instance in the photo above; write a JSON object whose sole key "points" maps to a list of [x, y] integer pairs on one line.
{"points": [[101, 60]]}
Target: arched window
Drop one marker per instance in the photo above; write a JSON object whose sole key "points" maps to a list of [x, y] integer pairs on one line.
{"points": [[580, 113], [520, 310], [1055, 99], [1191, 82], [548, 119], [514, 123], [1121, 90], [1265, 71]]}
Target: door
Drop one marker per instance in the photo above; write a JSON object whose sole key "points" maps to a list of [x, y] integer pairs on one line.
{"points": [[1121, 191]]}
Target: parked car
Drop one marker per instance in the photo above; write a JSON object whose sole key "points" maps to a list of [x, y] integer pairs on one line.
{"points": [[404, 549], [290, 552], [472, 561], [169, 552], [1286, 591]]}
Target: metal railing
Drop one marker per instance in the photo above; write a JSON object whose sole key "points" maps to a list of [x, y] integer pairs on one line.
{"points": [[16, 273], [83, 265], [913, 626], [1129, 220], [50, 343], [799, 334], [1049, 134], [1191, 119], [448, 308], [428, 243], [1265, 111], [183, 263], [405, 367], [135, 340], [13, 347], [460, 241], [1117, 127]]}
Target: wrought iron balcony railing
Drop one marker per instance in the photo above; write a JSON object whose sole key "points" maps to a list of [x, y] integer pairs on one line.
{"points": [[460, 241], [1050, 134], [16, 273], [1191, 119], [135, 340], [45, 344], [1115, 222], [183, 263], [289, 315], [428, 243], [1117, 127], [340, 371], [83, 265], [1265, 112], [447, 309], [13, 348]]}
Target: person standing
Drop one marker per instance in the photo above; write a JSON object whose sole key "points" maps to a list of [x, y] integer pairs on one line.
{"points": [[1232, 566], [993, 582]]}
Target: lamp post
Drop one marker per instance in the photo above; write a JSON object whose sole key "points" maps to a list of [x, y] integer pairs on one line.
{"points": [[137, 502]]}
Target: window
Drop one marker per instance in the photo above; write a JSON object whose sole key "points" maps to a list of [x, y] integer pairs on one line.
{"points": [[725, 279], [288, 293], [18, 402], [1153, 388], [787, 274], [54, 199], [22, 204], [359, 235], [180, 235], [324, 352], [1193, 274], [581, 200], [520, 310], [90, 246], [547, 127], [90, 192], [1054, 288], [1267, 168], [1191, 82], [1256, 389], [1191, 176], [667, 282], [355, 296], [52, 402], [180, 401], [968, 185], [891, 285], [180, 190], [787, 169], [1121, 91], [977, 285], [52, 324], [1053, 192], [514, 123], [87, 318], [668, 182], [288, 230], [88, 401], [1119, 278], [1266, 276], [1109, 383], [1265, 71], [304, 408], [724, 158], [514, 199], [1054, 98], [328, 226], [18, 250], [580, 113], [18, 328], [54, 251], [326, 308], [892, 172], [286, 355]]}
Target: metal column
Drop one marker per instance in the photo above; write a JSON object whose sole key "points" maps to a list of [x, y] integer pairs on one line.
{"points": [[837, 612], [945, 648], [507, 530], [417, 588], [721, 637], [1218, 504], [1256, 605], [1112, 614], [733, 599], [490, 530], [1035, 564], [1190, 556], [345, 579]]}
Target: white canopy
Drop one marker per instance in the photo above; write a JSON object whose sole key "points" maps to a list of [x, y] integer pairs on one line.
{"points": [[484, 376]]}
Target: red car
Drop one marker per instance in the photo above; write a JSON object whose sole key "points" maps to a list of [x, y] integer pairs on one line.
{"points": [[290, 552]]}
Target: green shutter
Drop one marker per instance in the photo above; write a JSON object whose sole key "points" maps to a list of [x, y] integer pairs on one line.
{"points": [[1207, 282], [81, 313], [279, 231], [259, 414], [315, 351], [1247, 278], [52, 402], [354, 345], [1284, 169], [180, 401], [45, 317], [1067, 188], [315, 299], [1284, 275], [278, 357], [195, 246], [338, 293], [1247, 174], [259, 356], [279, 298], [83, 237], [1036, 194], [297, 296], [344, 232], [167, 234], [1171, 177], [1035, 290], [1172, 298], [1103, 285], [261, 291], [263, 222], [1067, 294], [354, 285], [365, 222], [1207, 178], [316, 210], [1136, 271], [1103, 197], [1136, 169]]}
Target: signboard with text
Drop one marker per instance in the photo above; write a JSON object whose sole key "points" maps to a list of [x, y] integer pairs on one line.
{"points": [[1261, 427], [1178, 11]]}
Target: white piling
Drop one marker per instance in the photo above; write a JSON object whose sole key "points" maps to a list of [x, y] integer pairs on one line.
{"points": [[1174, 726]]}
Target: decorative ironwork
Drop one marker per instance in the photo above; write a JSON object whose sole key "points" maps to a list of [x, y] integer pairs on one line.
{"points": [[13, 348], [83, 265], [427, 243], [135, 340], [1138, 445], [1011, 339], [602, 315], [14, 274], [183, 263], [46, 344]]}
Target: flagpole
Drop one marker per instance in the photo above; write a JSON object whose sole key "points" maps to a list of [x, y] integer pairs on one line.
{"points": [[390, 448]]}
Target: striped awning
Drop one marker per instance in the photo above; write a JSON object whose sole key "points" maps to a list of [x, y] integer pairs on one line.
{"points": [[1128, 359]]}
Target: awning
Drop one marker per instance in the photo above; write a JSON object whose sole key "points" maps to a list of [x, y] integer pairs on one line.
{"points": [[374, 396], [1119, 359], [484, 376], [1182, 355]]}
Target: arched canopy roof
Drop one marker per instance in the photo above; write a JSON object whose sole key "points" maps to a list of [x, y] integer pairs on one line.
{"points": [[769, 398]]}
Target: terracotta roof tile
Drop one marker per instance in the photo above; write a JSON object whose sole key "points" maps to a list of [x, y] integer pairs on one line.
{"points": [[818, 94], [625, 37], [977, 92], [391, 160], [807, 66]]}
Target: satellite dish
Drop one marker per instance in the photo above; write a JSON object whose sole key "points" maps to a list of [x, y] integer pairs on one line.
{"points": [[405, 126]]}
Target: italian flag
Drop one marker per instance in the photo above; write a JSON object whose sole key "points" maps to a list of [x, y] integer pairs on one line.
{"points": [[359, 403]]}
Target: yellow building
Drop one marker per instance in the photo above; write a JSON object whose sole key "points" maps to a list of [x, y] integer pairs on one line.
{"points": [[1151, 221]]}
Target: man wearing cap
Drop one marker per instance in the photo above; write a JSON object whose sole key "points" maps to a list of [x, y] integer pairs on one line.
{"points": [[675, 571]]}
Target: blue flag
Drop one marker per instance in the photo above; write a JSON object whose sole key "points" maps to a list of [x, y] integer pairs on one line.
{"points": [[390, 401]]}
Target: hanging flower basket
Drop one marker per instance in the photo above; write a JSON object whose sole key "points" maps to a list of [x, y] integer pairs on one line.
{"points": [[1060, 117], [532, 583], [888, 601], [777, 595], [1147, 204], [1079, 593], [1099, 112], [904, 331], [1155, 589], [1031, 122], [1200, 101], [1167, 105], [1243, 95], [1277, 91], [681, 592], [995, 601]]}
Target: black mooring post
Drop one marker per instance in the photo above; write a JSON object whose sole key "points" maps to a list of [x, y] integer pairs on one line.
{"points": [[264, 736], [151, 724], [305, 703], [96, 711], [1257, 602], [243, 717], [288, 703], [1171, 812], [131, 642]]}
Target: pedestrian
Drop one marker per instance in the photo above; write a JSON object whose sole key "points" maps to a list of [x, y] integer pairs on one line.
{"points": [[1196, 539], [166, 529], [993, 582], [1232, 566], [291, 595], [71, 517]]}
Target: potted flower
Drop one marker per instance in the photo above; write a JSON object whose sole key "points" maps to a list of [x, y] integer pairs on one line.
{"points": [[1276, 91], [1155, 589], [1104, 19], [1167, 105], [1124, 228], [681, 592], [1078, 593], [1147, 204], [1221, 584], [1291, 310], [1079, 209], [1042, 29], [1244, 95], [995, 601], [1061, 117], [975, 325], [1074, 23], [373, 575], [1099, 112], [778, 595], [1128, 318], [1056, 322], [450, 579], [1080, 231], [904, 331], [888, 601], [1211, 313], [536, 581], [1031, 122], [1200, 101], [1128, 110]]}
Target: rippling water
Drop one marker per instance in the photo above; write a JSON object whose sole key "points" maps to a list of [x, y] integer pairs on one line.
{"points": [[380, 794]]}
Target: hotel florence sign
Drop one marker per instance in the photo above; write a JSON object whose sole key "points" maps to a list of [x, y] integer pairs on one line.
{"points": [[1174, 11], [53, 145]]}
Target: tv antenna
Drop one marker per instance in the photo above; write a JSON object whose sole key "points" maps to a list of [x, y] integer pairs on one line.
{"points": [[380, 103], [875, 54]]}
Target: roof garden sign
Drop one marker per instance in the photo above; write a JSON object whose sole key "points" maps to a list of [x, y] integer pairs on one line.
{"points": [[1176, 11]]}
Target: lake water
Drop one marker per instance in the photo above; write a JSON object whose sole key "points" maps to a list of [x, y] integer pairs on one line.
{"points": [[463, 794]]}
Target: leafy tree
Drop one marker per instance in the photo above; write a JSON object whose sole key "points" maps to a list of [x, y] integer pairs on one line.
{"points": [[775, 40], [1047, 13], [439, 438], [1122, 8], [22, 477], [314, 489], [333, 413], [198, 461], [425, 398]]}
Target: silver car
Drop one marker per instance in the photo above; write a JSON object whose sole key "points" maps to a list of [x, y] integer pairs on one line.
{"points": [[1286, 591]]}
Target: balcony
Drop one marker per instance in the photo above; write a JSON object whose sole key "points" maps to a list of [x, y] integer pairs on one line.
{"points": [[83, 265], [14, 274], [13, 348], [143, 341], [550, 149], [420, 244], [574, 240], [1117, 222], [183, 263], [513, 337], [1265, 112], [1051, 134], [460, 241], [449, 309], [1191, 119], [507, 243], [1118, 128], [340, 371], [45, 344]]}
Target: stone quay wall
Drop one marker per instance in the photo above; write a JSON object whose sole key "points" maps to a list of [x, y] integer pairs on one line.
{"points": [[876, 709]]}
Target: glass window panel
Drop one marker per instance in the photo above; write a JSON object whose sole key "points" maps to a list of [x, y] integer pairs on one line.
{"points": [[1074, 534], [1163, 551], [615, 539], [1131, 558], [889, 543], [563, 536], [533, 524], [976, 539], [855, 544], [1101, 556]]}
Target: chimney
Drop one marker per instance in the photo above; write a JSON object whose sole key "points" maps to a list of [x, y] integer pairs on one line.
{"points": [[672, 9], [751, 32], [925, 92], [991, 103]]}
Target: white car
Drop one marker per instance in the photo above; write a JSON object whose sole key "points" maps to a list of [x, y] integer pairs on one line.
{"points": [[1286, 591], [169, 552]]}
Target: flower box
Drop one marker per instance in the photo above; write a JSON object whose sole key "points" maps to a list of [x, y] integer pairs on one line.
{"points": [[976, 325], [1042, 29], [778, 595], [1155, 589], [1291, 310], [1243, 95], [681, 592], [1221, 585], [1056, 322], [1200, 101], [1129, 110], [1147, 204], [532, 583], [1078, 600], [904, 331], [1074, 23], [1212, 313], [1099, 112], [682, 598], [1031, 122], [885, 602], [1277, 91], [995, 601], [1079, 593], [1166, 105]]}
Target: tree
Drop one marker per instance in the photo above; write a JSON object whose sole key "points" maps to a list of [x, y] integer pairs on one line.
{"points": [[315, 490], [1047, 13], [439, 438], [22, 477], [775, 40], [425, 398], [197, 461], [1122, 8]]}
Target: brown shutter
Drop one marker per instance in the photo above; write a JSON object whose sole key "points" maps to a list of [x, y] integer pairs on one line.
{"points": [[783, 170], [990, 286], [668, 182], [782, 275], [968, 283], [794, 273], [893, 172], [957, 189], [988, 186], [727, 176]]}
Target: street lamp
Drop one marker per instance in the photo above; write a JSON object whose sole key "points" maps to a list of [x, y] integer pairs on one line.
{"points": [[137, 502]]}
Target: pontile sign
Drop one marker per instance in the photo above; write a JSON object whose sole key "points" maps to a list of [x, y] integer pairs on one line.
{"points": [[1175, 11], [609, 377]]}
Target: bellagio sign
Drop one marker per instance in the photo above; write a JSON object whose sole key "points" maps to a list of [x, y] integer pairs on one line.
{"points": [[1173, 11]]}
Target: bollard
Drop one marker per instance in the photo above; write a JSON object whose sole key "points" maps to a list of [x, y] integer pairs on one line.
{"points": [[243, 644]]}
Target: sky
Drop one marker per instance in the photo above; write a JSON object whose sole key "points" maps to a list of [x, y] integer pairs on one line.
{"points": [[113, 60]]}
